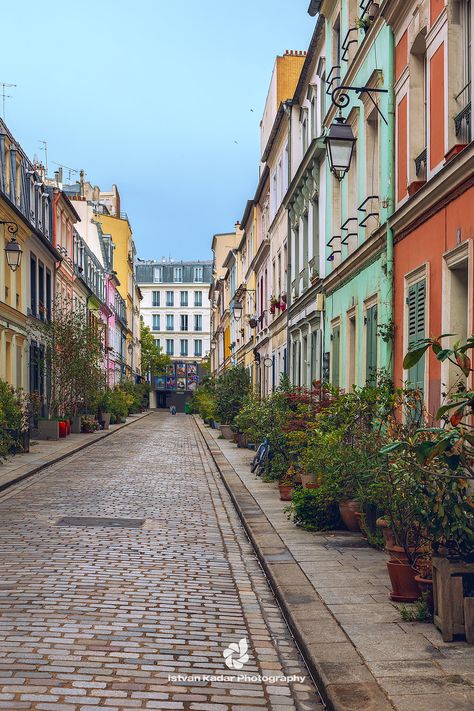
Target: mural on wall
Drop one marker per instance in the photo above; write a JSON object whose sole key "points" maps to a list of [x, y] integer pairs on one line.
{"points": [[179, 376]]}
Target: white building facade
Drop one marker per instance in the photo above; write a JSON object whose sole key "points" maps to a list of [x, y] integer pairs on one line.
{"points": [[175, 305]]}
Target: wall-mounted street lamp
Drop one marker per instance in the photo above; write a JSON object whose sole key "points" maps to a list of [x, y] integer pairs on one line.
{"points": [[237, 310], [13, 250], [340, 143]]}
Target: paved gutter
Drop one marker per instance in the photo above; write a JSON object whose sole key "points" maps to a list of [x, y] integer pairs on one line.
{"points": [[344, 680], [28, 469]]}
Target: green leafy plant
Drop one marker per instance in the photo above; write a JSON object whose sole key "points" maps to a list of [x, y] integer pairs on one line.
{"points": [[419, 611], [232, 388], [314, 510]]}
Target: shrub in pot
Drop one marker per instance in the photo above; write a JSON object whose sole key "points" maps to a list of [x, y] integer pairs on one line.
{"points": [[314, 510], [231, 390]]}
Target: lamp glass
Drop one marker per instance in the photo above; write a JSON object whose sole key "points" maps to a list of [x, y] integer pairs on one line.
{"points": [[340, 146], [13, 252]]}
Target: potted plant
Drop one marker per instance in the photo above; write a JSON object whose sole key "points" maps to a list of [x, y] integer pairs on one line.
{"points": [[89, 424], [104, 408], [286, 486], [231, 389]]}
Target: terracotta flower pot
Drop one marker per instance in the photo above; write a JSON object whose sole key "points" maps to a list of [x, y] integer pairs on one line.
{"points": [[348, 509], [286, 491], [242, 440], [404, 586], [226, 431], [425, 586], [308, 481]]}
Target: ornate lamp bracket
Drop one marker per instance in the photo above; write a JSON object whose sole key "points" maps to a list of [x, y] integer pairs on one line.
{"points": [[341, 99], [12, 227]]}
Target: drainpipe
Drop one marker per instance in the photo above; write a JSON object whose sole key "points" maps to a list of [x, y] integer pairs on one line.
{"points": [[391, 197], [288, 110]]}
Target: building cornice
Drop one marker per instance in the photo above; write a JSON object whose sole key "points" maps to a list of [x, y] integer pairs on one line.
{"points": [[364, 255], [454, 178], [262, 252], [315, 151]]}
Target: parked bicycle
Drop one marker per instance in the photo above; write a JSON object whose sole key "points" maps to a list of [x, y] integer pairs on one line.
{"points": [[262, 456]]}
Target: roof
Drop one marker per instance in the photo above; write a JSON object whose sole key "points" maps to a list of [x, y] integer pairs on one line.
{"points": [[274, 132], [261, 183], [314, 7], [318, 30], [246, 214]]}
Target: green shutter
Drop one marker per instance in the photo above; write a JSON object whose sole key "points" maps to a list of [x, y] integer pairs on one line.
{"points": [[416, 302], [336, 351], [371, 344]]}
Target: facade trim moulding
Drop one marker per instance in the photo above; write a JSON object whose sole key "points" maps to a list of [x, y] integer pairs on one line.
{"points": [[368, 252], [316, 150]]}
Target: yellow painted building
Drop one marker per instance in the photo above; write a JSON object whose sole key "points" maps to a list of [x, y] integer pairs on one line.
{"points": [[124, 256]]}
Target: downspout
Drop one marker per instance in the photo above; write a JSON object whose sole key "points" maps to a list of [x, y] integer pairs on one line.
{"points": [[390, 198], [288, 109]]}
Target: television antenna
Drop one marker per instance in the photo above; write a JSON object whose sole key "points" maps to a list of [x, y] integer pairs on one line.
{"points": [[44, 145], [5, 96], [69, 170]]}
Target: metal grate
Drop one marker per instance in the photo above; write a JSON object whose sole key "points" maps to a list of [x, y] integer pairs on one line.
{"points": [[96, 522]]}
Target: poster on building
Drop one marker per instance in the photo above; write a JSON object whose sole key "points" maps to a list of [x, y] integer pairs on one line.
{"points": [[192, 382], [181, 384], [192, 369], [180, 370], [170, 382], [160, 382]]}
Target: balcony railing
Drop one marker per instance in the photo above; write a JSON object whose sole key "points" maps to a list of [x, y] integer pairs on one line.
{"points": [[420, 165], [462, 121]]}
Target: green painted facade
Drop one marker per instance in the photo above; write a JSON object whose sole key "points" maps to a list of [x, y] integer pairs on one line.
{"points": [[359, 303]]}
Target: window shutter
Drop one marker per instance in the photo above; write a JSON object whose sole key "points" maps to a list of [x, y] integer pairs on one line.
{"points": [[371, 344], [416, 315], [336, 350]]}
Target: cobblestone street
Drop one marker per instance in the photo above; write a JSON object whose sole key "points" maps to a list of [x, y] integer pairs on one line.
{"points": [[124, 566]]}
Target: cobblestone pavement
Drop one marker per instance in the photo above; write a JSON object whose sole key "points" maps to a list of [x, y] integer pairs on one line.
{"points": [[101, 614]]}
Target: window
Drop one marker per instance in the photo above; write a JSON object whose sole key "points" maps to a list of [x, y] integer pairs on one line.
{"points": [[156, 298], [416, 316], [198, 322], [371, 344], [158, 343], [169, 346], [184, 322], [48, 295], [183, 347], [42, 307], [170, 298], [198, 347], [336, 355], [156, 322], [157, 275], [170, 322], [184, 298], [198, 274], [178, 274], [274, 194], [33, 286], [198, 298]]}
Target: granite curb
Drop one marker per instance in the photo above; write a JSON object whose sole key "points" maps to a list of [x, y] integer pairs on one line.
{"points": [[25, 472], [344, 680]]}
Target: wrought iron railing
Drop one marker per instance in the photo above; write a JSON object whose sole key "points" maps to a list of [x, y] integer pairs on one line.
{"points": [[420, 165]]}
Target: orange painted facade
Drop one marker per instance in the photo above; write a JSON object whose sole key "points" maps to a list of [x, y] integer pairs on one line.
{"points": [[450, 226], [401, 55], [436, 7], [437, 109]]}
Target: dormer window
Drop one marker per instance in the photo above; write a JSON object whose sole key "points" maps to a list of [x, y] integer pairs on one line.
{"points": [[178, 275]]}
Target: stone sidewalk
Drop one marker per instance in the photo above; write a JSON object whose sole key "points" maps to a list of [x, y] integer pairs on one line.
{"points": [[44, 453], [334, 589]]}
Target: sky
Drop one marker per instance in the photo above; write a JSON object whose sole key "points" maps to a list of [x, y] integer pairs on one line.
{"points": [[161, 97]]}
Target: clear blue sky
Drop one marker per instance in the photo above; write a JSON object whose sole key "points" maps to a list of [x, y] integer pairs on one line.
{"points": [[151, 95]]}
